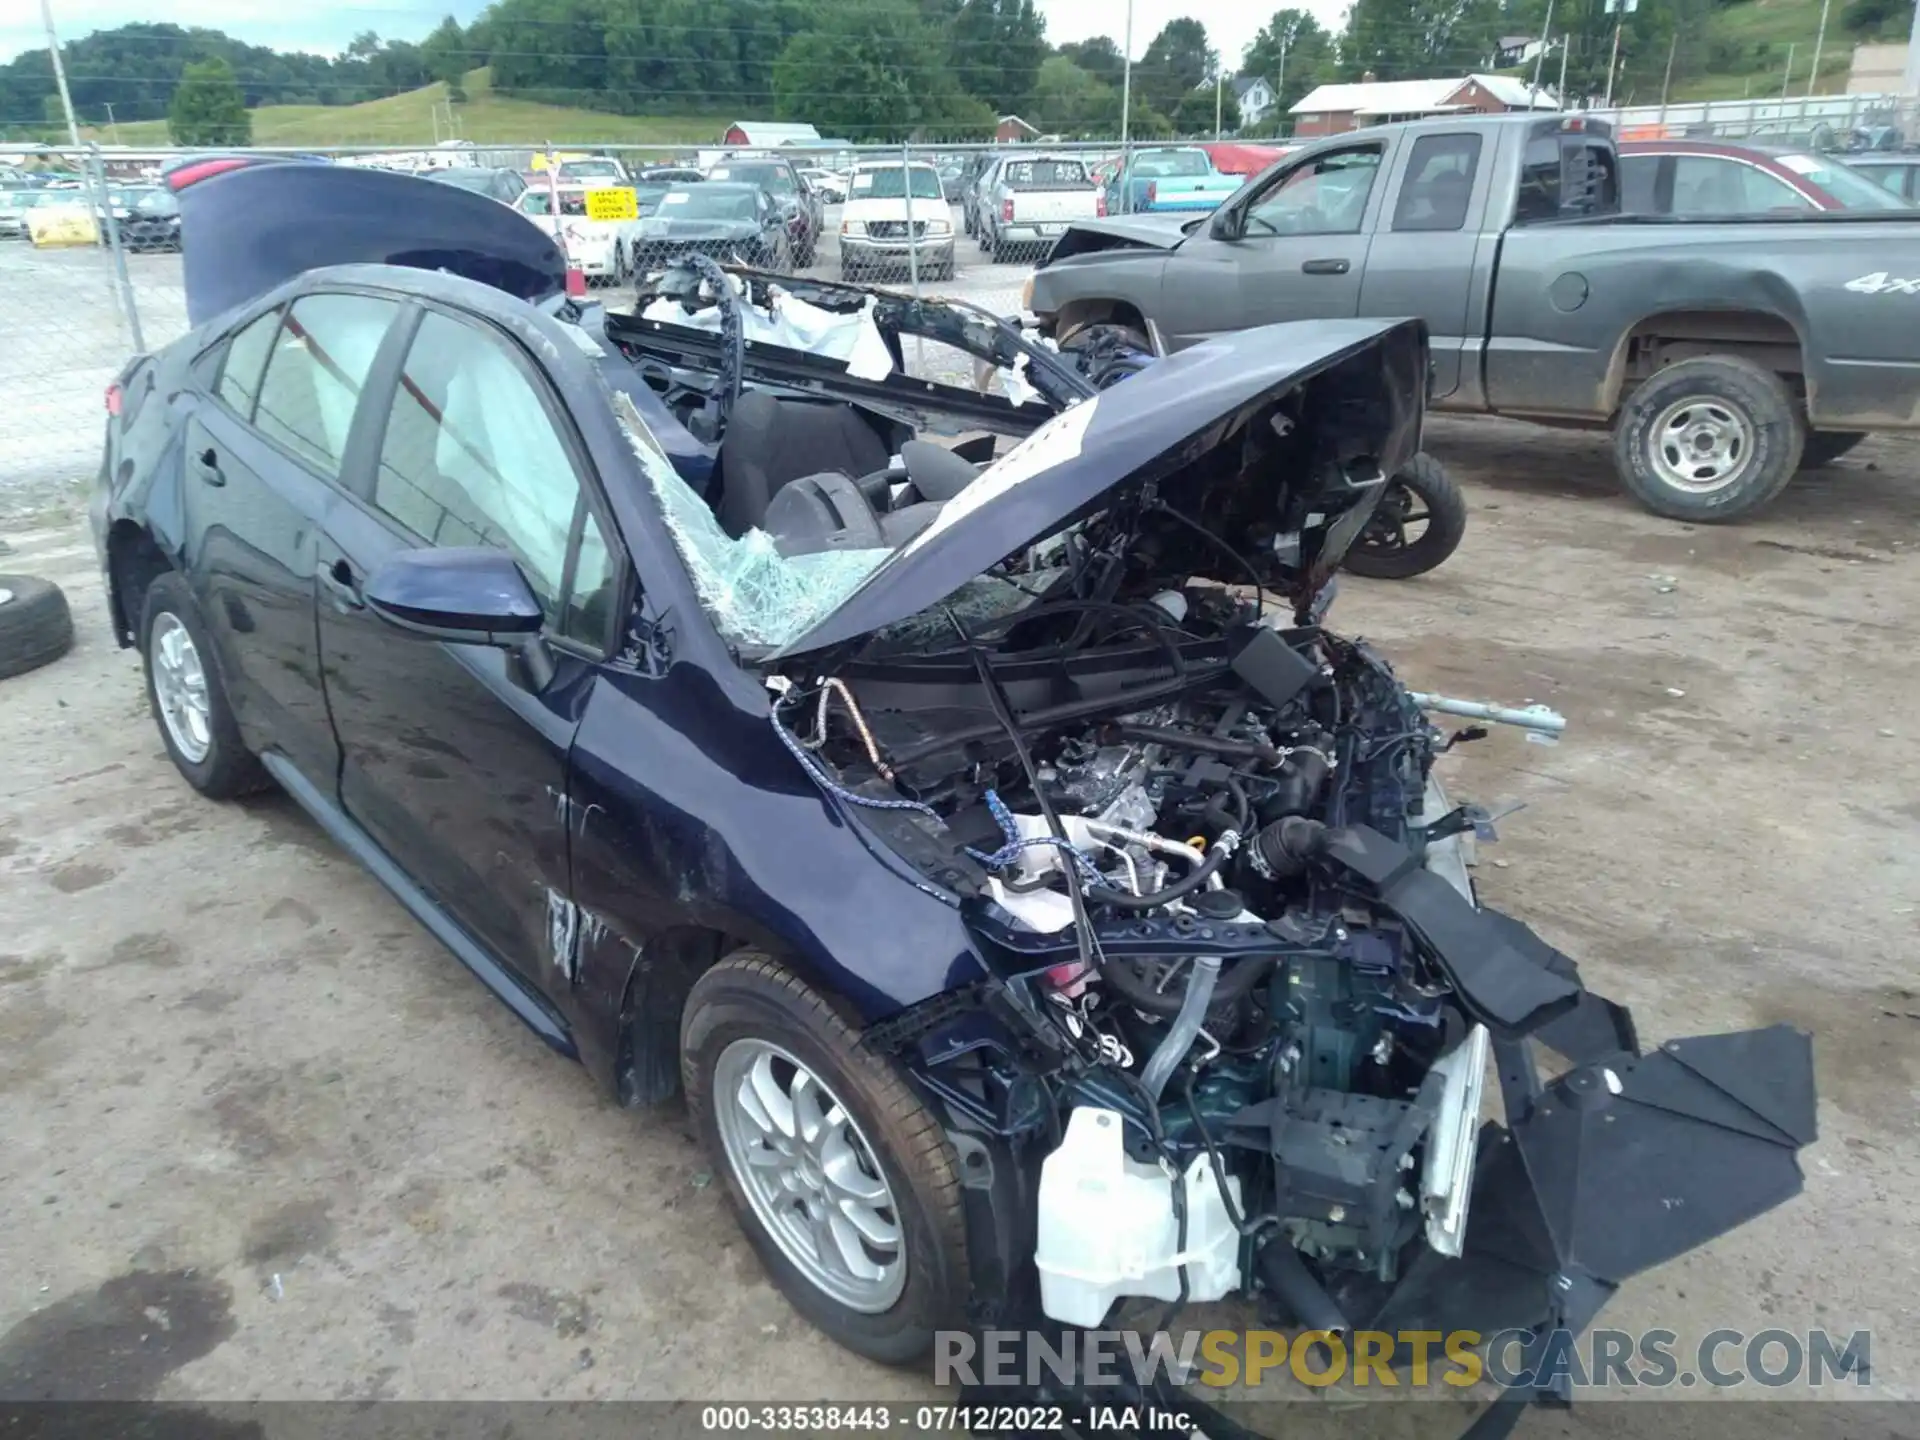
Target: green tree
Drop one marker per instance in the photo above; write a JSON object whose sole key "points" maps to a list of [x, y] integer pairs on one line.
{"points": [[996, 47], [1069, 101], [1178, 61], [1099, 57], [448, 57], [1195, 116], [208, 108], [1418, 39], [1293, 53], [875, 70]]}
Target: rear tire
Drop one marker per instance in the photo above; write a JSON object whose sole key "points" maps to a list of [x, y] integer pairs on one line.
{"points": [[749, 1007], [1708, 440], [1423, 487], [203, 740], [1823, 447], [36, 627]]}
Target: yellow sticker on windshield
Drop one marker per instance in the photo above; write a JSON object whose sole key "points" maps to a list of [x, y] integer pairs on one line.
{"points": [[612, 203]]}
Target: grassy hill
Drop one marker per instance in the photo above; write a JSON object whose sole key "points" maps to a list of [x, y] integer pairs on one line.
{"points": [[485, 118], [1748, 51]]}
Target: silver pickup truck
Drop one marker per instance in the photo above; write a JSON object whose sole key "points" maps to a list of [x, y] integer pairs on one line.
{"points": [[1723, 354]]}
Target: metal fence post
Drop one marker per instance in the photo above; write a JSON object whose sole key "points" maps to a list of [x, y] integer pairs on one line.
{"points": [[913, 239], [110, 226]]}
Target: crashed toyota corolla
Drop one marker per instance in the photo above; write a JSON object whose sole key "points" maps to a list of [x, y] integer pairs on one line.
{"points": [[1038, 904]]}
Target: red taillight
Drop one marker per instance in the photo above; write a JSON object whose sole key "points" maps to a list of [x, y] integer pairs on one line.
{"points": [[1006, 211], [1100, 204], [576, 282], [186, 175], [114, 396], [1153, 193]]}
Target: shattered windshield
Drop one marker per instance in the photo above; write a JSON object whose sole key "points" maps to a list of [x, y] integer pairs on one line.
{"points": [[754, 595]]}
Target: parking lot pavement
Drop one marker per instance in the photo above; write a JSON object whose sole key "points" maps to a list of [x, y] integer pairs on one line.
{"points": [[240, 1089]]}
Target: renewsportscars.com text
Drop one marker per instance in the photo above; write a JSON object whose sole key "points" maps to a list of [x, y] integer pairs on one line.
{"points": [[1409, 1359]]}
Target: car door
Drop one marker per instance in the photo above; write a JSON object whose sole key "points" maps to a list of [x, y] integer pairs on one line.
{"points": [[454, 756], [1297, 251], [1421, 261], [261, 462]]}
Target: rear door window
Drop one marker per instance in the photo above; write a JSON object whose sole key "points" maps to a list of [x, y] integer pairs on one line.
{"points": [[1438, 183], [318, 368], [246, 358], [1705, 185]]}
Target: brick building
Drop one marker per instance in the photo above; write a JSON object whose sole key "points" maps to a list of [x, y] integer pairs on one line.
{"points": [[1335, 109]]}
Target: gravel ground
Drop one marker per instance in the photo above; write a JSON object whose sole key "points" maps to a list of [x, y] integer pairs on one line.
{"points": [[242, 1091]]}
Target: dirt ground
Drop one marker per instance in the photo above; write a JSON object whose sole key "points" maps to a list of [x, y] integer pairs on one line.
{"points": [[260, 1136]]}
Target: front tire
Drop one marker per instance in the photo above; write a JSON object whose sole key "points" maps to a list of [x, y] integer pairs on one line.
{"points": [[188, 700], [1421, 493], [1708, 440], [843, 1181]]}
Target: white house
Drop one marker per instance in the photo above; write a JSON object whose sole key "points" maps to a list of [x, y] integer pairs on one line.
{"points": [[1515, 50], [1256, 97]]}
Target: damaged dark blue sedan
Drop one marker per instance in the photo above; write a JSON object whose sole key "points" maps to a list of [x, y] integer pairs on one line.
{"points": [[1037, 905]]}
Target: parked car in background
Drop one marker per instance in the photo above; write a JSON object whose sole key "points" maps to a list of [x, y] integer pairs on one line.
{"points": [[1239, 158], [602, 250], [153, 223], [1723, 354], [668, 175], [1709, 178], [1031, 201], [1898, 173], [14, 205], [1169, 178], [975, 172], [592, 173], [831, 188], [731, 223], [953, 176], [798, 202], [896, 218], [506, 186]]}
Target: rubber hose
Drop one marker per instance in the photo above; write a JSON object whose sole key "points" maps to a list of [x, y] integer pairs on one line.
{"points": [[1201, 744], [1178, 1040], [1185, 885]]}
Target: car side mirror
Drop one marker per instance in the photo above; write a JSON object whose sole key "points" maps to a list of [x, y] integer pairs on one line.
{"points": [[1225, 224], [468, 596]]}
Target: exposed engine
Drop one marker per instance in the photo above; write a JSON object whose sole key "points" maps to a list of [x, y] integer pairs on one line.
{"points": [[1164, 888]]}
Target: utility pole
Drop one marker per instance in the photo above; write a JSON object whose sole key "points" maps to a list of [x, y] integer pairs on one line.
{"points": [[59, 72], [113, 125], [1280, 83], [1126, 82], [1667, 79], [1613, 62], [1540, 55], [1786, 79], [1566, 44], [1910, 82], [1819, 41], [1219, 93]]}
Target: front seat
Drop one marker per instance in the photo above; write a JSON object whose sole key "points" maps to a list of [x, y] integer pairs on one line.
{"points": [[771, 442]]}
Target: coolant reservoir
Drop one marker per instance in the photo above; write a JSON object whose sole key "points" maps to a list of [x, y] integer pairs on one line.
{"points": [[1108, 1229]]}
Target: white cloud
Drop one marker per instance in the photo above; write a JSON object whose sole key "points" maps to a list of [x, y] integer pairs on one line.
{"points": [[1231, 24]]}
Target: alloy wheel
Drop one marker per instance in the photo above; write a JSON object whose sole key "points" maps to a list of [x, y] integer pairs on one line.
{"points": [[810, 1175], [180, 687]]}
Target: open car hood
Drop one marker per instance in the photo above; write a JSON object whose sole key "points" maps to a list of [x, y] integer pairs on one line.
{"points": [[248, 228], [1360, 387]]}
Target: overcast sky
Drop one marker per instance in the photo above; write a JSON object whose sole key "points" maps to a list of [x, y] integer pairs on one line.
{"points": [[326, 28]]}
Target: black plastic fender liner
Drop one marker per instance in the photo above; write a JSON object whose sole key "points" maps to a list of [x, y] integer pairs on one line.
{"points": [[1506, 976]]}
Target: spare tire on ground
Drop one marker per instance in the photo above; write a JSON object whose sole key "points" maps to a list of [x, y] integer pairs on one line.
{"points": [[35, 625]]}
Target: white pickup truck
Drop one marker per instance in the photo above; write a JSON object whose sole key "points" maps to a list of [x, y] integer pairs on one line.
{"points": [[1030, 200]]}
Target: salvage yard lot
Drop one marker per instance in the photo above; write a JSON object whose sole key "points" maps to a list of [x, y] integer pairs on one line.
{"points": [[241, 1088]]}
